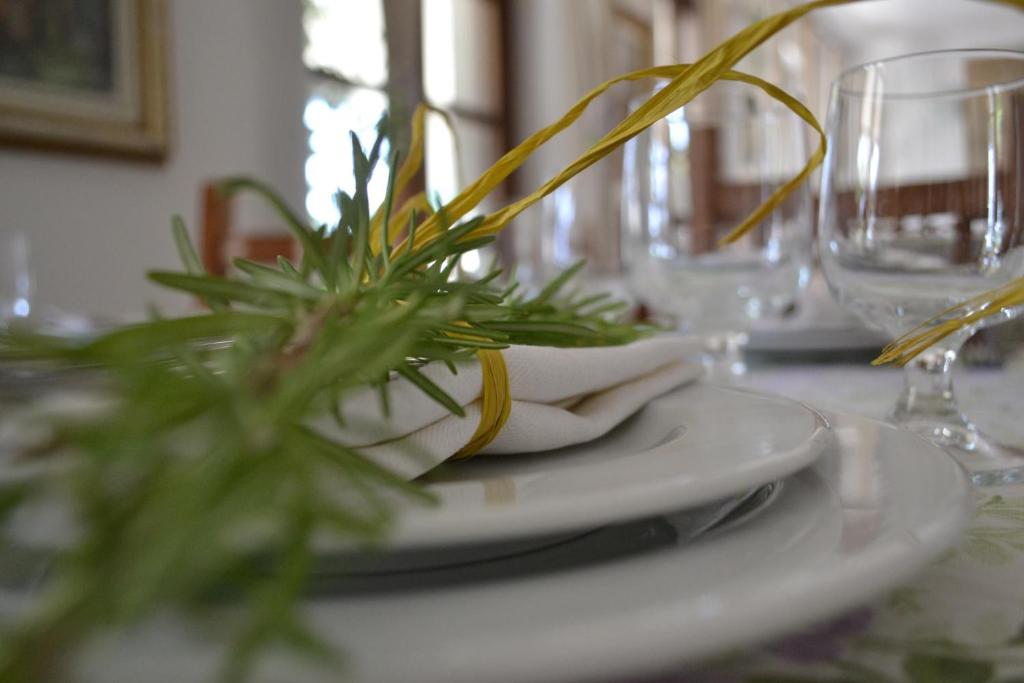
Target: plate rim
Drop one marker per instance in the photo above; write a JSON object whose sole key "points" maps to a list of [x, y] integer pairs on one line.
{"points": [[493, 525]]}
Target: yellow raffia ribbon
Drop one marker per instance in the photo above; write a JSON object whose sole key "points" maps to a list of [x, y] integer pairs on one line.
{"points": [[432, 227], [495, 398], [495, 402], [929, 333]]}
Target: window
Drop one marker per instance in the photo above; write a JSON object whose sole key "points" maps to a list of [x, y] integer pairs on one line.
{"points": [[365, 57], [346, 54]]}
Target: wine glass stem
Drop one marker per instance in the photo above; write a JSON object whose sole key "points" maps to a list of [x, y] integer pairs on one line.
{"points": [[928, 405]]}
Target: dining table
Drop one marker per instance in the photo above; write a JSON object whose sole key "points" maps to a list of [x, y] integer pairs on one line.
{"points": [[959, 620]]}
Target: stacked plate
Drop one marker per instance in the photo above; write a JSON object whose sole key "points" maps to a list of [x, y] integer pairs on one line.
{"points": [[712, 519]]}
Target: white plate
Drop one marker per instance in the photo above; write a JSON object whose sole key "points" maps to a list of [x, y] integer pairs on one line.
{"points": [[694, 446], [628, 601]]}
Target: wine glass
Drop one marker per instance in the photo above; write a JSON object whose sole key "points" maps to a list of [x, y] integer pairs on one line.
{"points": [[20, 309], [16, 282], [687, 181], [576, 224], [921, 208]]}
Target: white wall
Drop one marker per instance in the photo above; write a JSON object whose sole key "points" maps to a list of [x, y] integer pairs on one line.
{"points": [[95, 226], [877, 30]]}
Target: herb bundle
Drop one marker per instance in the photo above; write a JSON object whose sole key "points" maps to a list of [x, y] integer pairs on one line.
{"points": [[204, 454]]}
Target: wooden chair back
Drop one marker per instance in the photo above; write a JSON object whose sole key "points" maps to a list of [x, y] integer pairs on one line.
{"points": [[220, 242]]}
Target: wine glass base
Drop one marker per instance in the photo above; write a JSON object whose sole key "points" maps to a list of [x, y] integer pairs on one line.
{"points": [[992, 464], [988, 463], [954, 433]]}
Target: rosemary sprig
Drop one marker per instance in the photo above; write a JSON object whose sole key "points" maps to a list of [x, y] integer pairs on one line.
{"points": [[203, 460]]}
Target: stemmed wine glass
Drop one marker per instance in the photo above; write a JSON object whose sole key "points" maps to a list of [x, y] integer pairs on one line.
{"points": [[922, 208], [690, 179], [16, 282]]}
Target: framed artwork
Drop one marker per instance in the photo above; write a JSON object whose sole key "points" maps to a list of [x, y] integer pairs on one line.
{"points": [[84, 76]]}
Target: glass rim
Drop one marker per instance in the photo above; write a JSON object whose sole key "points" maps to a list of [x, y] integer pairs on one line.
{"points": [[965, 92]]}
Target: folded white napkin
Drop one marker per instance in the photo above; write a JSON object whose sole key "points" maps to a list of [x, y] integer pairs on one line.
{"points": [[559, 397]]}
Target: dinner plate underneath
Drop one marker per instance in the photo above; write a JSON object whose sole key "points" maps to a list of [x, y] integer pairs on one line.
{"points": [[373, 570], [645, 601]]}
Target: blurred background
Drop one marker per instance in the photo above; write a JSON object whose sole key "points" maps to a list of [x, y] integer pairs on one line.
{"points": [[271, 88]]}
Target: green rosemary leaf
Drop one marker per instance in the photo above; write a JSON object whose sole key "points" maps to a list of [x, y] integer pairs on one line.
{"points": [[351, 458], [610, 307], [514, 327], [311, 248], [273, 602], [190, 259], [276, 279], [286, 267], [428, 387], [492, 275], [232, 290], [509, 293], [475, 330], [343, 522], [16, 345], [374, 156], [340, 243], [553, 287], [468, 343], [13, 495], [186, 251], [360, 248], [389, 197], [145, 338], [445, 246], [385, 397], [254, 268], [305, 641], [580, 304]]}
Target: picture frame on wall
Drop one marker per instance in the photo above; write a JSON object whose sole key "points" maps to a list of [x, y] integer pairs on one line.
{"points": [[85, 76]]}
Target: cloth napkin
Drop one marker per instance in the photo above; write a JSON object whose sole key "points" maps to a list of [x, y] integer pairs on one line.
{"points": [[559, 397]]}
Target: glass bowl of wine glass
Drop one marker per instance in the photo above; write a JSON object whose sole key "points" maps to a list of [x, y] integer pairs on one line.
{"points": [[922, 209]]}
